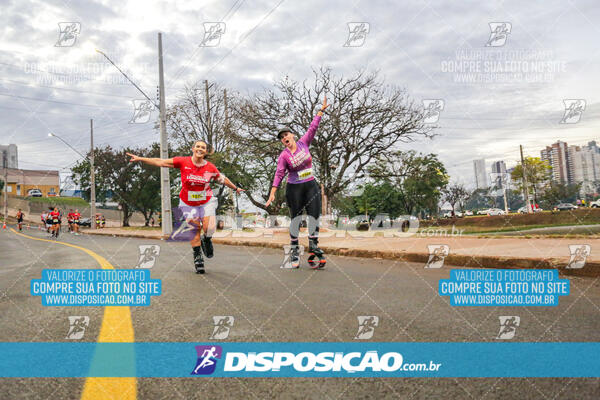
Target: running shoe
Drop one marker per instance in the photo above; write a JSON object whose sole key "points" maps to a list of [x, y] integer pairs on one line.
{"points": [[198, 260], [207, 246]]}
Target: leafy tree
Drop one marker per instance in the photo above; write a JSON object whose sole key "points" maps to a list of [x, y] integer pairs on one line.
{"points": [[538, 173], [418, 178], [556, 193]]}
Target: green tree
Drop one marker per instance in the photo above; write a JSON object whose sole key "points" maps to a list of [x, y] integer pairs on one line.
{"points": [[556, 193], [418, 179], [538, 173]]}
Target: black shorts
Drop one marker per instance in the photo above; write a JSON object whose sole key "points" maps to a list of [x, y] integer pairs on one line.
{"points": [[19, 221]]}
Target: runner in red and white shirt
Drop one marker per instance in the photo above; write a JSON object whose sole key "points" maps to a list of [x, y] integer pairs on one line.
{"points": [[55, 220], [196, 196], [76, 217], [70, 220]]}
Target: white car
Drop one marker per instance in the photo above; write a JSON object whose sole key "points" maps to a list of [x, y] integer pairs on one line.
{"points": [[595, 204], [34, 193], [483, 212], [469, 212], [496, 211]]}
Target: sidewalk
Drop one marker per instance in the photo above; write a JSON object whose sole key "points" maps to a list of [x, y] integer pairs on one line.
{"points": [[469, 252]]}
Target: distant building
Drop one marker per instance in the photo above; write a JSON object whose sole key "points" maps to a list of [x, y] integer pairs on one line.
{"points": [[20, 181], [481, 181], [11, 154], [557, 155], [499, 167], [584, 165]]}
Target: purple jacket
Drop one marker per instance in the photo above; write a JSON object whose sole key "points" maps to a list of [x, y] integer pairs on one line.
{"points": [[299, 164]]}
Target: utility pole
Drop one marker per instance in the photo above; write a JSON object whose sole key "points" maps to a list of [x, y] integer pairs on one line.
{"points": [[5, 166], [525, 190], [226, 131], [92, 179], [165, 184]]}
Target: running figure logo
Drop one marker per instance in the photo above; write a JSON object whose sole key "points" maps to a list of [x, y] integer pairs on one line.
{"points": [[77, 327], [573, 111], [499, 183], [223, 324], [287, 249], [148, 255], [207, 359], [508, 327], [432, 110], [212, 34], [142, 109], [366, 326], [437, 255], [68, 32], [357, 34], [579, 253], [499, 33], [182, 229]]}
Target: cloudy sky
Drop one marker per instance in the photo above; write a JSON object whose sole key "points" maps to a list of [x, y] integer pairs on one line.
{"points": [[495, 97]]}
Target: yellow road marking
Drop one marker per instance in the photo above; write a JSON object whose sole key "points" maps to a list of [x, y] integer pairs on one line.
{"points": [[116, 327]]}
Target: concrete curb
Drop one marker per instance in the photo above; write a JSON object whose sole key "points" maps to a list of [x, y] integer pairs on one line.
{"points": [[591, 269]]}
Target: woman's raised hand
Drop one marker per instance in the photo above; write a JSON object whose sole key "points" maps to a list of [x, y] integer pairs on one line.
{"points": [[325, 105]]}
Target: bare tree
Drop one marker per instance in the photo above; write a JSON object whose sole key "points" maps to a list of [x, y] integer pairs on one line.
{"points": [[367, 118], [455, 194], [203, 112]]}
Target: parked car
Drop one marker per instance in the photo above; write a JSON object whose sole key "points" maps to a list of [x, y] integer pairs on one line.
{"points": [[85, 222], [34, 193], [523, 210], [483, 212], [565, 207], [469, 212], [595, 204], [496, 211], [457, 214]]}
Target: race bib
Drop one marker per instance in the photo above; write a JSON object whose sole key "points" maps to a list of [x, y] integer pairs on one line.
{"points": [[305, 173], [55, 220], [197, 196]]}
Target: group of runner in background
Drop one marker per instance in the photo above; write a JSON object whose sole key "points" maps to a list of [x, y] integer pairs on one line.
{"points": [[51, 221]]}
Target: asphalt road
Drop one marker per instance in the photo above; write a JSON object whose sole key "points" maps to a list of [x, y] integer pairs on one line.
{"points": [[273, 304]]}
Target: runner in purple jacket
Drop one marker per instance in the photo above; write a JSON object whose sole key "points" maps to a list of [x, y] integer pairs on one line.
{"points": [[302, 190]]}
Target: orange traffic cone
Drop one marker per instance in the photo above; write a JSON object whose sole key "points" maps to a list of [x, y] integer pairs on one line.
{"points": [[4, 225]]}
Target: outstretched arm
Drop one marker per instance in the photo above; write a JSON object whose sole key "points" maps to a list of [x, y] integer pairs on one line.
{"points": [[157, 162], [230, 185], [308, 137]]}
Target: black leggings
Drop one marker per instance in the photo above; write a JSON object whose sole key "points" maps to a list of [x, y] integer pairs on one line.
{"points": [[304, 196]]}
